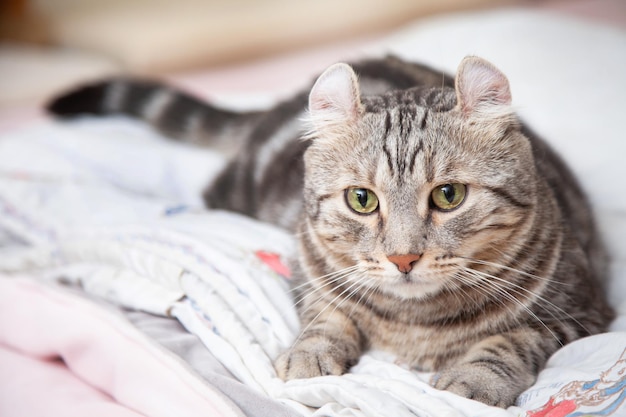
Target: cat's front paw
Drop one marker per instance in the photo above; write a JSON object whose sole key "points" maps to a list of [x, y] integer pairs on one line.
{"points": [[476, 383], [311, 358]]}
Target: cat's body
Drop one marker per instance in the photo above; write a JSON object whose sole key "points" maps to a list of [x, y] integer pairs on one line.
{"points": [[430, 222]]}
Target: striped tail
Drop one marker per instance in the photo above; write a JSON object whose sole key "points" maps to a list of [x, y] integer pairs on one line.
{"points": [[175, 114]]}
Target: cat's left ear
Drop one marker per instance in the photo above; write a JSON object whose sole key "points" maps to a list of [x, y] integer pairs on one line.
{"points": [[481, 89], [335, 99]]}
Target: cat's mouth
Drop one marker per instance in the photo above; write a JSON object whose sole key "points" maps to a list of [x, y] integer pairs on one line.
{"points": [[406, 277], [411, 285], [425, 278]]}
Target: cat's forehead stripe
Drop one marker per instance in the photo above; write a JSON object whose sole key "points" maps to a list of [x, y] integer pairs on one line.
{"points": [[402, 142]]}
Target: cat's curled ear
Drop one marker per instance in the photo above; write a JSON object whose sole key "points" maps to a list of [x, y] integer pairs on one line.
{"points": [[482, 90], [335, 101]]}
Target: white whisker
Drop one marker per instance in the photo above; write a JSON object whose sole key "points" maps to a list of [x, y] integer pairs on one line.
{"points": [[317, 289], [333, 301], [487, 288], [369, 291], [500, 290], [331, 274], [357, 285], [518, 289], [518, 271]]}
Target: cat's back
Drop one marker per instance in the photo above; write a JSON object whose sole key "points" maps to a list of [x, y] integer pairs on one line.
{"points": [[573, 203]]}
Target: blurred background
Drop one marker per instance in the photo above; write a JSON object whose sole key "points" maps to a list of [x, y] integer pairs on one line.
{"points": [[48, 45]]}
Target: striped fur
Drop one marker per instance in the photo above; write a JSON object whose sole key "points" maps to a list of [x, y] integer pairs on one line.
{"points": [[175, 114], [494, 286]]}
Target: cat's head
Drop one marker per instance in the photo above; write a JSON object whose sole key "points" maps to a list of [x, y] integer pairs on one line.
{"points": [[410, 187]]}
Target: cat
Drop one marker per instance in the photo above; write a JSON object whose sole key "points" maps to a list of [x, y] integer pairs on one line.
{"points": [[431, 222]]}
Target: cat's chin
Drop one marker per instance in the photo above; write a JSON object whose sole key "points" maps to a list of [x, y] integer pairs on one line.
{"points": [[411, 289]]}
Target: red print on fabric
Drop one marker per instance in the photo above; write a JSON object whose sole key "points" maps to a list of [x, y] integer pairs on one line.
{"points": [[274, 262]]}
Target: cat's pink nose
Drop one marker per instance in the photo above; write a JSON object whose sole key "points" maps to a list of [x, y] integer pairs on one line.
{"points": [[404, 262]]}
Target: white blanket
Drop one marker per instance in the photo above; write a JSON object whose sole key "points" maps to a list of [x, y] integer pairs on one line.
{"points": [[108, 206]]}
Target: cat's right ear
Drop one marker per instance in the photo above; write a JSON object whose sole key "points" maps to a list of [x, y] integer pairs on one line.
{"points": [[335, 100]]}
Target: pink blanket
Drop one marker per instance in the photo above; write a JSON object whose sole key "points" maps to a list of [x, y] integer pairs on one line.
{"points": [[92, 360]]}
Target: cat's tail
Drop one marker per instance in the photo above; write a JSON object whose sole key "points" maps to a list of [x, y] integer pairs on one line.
{"points": [[177, 115]]}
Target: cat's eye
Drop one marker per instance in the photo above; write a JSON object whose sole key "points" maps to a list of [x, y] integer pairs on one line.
{"points": [[448, 196], [361, 200]]}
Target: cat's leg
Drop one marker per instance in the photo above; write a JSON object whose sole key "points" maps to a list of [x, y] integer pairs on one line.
{"points": [[329, 345], [499, 368]]}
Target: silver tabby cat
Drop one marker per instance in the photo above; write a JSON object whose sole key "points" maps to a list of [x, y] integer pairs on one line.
{"points": [[431, 223]]}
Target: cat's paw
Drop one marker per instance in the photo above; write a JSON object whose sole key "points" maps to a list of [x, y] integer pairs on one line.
{"points": [[476, 383], [311, 358]]}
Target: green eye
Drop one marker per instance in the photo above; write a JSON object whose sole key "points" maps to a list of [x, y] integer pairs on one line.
{"points": [[448, 196], [361, 200]]}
